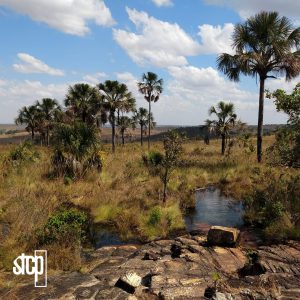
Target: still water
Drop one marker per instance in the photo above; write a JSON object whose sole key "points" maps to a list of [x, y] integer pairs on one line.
{"points": [[212, 208]]}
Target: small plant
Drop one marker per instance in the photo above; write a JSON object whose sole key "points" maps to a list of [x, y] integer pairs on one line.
{"points": [[216, 277], [155, 216]]}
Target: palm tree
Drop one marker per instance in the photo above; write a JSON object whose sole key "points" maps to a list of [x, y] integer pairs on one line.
{"points": [[116, 97], [151, 87], [124, 124], [85, 101], [29, 115], [141, 118], [225, 121], [49, 109], [265, 44]]}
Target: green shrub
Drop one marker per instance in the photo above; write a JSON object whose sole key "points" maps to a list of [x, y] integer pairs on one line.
{"points": [[67, 227], [155, 216], [23, 153]]}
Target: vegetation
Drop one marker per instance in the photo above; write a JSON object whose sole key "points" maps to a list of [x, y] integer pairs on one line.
{"points": [[151, 87], [141, 117], [225, 122], [285, 151], [116, 99], [264, 45], [76, 150]]}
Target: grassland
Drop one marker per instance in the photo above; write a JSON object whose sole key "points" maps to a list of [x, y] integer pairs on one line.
{"points": [[124, 195]]}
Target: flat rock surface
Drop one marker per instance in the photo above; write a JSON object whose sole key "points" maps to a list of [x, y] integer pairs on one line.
{"points": [[183, 277]]}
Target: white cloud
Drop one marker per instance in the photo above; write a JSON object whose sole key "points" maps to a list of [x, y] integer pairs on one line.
{"points": [[163, 44], [94, 78], [191, 91], [157, 42], [160, 3], [30, 64], [246, 8], [23, 93], [216, 39], [68, 16]]}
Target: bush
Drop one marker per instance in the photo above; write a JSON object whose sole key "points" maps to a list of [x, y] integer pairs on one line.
{"points": [[276, 207], [67, 227], [76, 150], [23, 153]]}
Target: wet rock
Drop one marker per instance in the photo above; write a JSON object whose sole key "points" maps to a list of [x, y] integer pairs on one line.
{"points": [[129, 282], [150, 255], [254, 269], [222, 236], [176, 250]]}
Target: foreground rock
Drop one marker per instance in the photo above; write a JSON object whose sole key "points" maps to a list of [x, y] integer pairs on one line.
{"points": [[222, 236], [184, 272]]}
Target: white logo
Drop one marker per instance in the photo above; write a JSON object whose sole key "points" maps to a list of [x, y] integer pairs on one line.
{"points": [[33, 265]]}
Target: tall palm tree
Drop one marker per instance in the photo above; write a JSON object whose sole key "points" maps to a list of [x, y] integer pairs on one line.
{"points": [[226, 118], [266, 44], [151, 87], [116, 97], [84, 100], [141, 118], [124, 124], [29, 115], [49, 109]]}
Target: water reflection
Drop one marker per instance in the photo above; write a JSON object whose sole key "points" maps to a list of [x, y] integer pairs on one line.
{"points": [[212, 208]]}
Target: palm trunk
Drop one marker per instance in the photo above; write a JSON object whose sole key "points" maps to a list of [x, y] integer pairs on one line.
{"points": [[260, 118], [223, 143], [165, 186], [48, 137], [141, 135], [149, 122], [113, 132], [32, 134], [123, 140]]}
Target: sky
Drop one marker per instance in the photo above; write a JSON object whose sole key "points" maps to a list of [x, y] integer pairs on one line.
{"points": [[47, 46]]}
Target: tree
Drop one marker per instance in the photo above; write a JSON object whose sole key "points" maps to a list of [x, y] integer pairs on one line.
{"points": [[116, 97], [266, 44], [29, 115], [286, 150], [49, 110], [124, 124], [151, 87], [84, 101], [225, 121], [173, 148], [163, 164], [76, 149], [141, 118]]}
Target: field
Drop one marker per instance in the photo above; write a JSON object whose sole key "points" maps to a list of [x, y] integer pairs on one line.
{"points": [[123, 196]]}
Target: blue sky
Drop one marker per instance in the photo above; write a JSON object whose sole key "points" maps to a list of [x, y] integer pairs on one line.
{"points": [[49, 45]]}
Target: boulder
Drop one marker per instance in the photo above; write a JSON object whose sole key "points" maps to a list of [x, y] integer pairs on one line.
{"points": [[222, 236], [129, 282]]}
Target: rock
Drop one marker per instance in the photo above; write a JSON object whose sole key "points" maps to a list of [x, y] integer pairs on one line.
{"points": [[221, 296], [222, 236], [129, 282], [254, 269], [150, 255], [176, 250]]}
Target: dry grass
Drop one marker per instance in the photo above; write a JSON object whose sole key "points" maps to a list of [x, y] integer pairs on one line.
{"points": [[123, 195]]}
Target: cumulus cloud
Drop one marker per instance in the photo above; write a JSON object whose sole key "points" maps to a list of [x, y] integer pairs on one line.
{"points": [[94, 78], [157, 42], [20, 93], [30, 64], [163, 44], [191, 91], [160, 3], [216, 39], [68, 16], [247, 8]]}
